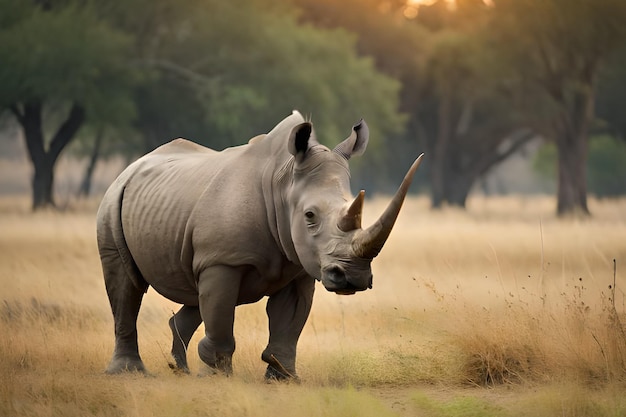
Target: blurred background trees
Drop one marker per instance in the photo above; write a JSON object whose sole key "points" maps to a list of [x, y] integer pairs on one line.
{"points": [[562, 47], [62, 65], [211, 71], [468, 82]]}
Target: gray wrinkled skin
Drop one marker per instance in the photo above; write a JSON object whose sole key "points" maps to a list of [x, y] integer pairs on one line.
{"points": [[213, 230]]}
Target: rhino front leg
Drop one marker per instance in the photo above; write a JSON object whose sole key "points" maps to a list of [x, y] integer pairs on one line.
{"points": [[287, 311], [218, 290], [183, 325]]}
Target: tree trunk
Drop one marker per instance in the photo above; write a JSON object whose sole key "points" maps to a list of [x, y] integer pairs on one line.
{"points": [[30, 116], [572, 184], [42, 184], [85, 186], [440, 149], [572, 147], [457, 190]]}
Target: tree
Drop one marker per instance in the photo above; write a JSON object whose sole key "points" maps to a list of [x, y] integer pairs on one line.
{"points": [[559, 48], [215, 72], [96, 142], [61, 66], [606, 165], [452, 84], [229, 71], [463, 115], [396, 48]]}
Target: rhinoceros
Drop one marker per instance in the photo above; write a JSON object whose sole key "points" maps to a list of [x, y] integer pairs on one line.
{"points": [[213, 230]]}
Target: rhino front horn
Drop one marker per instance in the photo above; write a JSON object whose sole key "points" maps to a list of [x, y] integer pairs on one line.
{"points": [[368, 243]]}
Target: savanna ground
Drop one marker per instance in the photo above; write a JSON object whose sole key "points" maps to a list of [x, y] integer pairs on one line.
{"points": [[502, 310]]}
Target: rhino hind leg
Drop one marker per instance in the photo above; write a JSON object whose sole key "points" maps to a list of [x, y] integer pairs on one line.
{"points": [[125, 299], [183, 325]]}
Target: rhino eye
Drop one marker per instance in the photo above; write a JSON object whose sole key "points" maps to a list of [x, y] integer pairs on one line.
{"points": [[312, 221], [311, 218]]}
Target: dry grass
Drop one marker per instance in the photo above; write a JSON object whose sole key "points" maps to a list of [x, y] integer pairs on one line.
{"points": [[501, 310]]}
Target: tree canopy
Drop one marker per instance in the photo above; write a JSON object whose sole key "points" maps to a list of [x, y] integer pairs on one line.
{"points": [[482, 78], [468, 84], [562, 47], [215, 72], [61, 65]]}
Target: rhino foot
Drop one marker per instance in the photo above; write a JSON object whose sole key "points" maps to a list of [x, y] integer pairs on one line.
{"points": [[221, 365], [120, 364], [218, 361], [276, 371], [180, 363], [274, 375], [178, 370], [212, 371]]}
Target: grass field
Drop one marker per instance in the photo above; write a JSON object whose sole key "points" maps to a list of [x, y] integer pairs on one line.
{"points": [[502, 310]]}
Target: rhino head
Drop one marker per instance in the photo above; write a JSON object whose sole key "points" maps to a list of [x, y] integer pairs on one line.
{"points": [[325, 220]]}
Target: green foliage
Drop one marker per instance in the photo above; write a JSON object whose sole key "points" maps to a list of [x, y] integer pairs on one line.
{"points": [[556, 50], [221, 72], [250, 66], [454, 62], [606, 165], [64, 55], [545, 34], [213, 71]]}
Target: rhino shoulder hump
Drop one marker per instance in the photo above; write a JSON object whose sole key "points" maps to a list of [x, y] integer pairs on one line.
{"points": [[256, 139], [181, 145]]}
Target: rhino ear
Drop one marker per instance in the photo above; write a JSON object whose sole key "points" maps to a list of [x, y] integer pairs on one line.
{"points": [[356, 143], [300, 140]]}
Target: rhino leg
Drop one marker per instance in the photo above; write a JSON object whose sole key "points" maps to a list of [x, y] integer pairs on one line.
{"points": [[288, 310], [183, 325], [218, 290], [125, 299]]}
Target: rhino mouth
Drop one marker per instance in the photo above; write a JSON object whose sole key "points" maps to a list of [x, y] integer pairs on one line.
{"points": [[347, 291], [334, 279]]}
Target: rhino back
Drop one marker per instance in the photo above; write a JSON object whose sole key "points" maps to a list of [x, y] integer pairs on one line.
{"points": [[185, 210]]}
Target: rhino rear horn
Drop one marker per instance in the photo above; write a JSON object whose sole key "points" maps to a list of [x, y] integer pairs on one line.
{"points": [[352, 219], [369, 242]]}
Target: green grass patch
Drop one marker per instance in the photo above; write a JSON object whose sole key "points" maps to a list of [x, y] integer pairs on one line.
{"points": [[457, 407]]}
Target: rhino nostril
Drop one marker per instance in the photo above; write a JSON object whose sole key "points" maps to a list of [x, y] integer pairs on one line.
{"points": [[335, 274]]}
